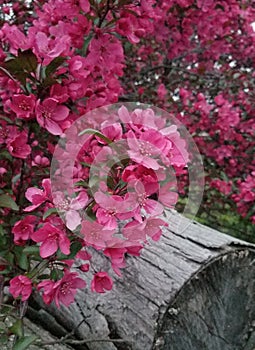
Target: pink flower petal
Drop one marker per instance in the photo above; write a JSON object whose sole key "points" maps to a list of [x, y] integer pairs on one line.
{"points": [[48, 248]]}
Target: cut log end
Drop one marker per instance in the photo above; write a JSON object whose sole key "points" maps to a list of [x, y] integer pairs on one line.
{"points": [[215, 309]]}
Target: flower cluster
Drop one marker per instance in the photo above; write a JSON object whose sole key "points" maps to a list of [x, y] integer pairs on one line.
{"points": [[123, 173], [61, 59]]}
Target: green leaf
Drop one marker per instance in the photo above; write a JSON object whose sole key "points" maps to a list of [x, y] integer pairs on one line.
{"points": [[48, 81], [25, 62], [32, 250], [3, 338], [5, 155], [53, 66], [81, 183], [8, 120], [23, 261], [7, 202], [17, 328], [9, 257], [44, 276], [21, 67], [21, 258], [49, 212], [24, 342], [28, 60], [96, 133], [16, 178], [86, 44], [74, 249], [95, 180], [56, 274]]}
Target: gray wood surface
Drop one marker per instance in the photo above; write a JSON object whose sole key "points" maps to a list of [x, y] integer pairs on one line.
{"points": [[194, 289]]}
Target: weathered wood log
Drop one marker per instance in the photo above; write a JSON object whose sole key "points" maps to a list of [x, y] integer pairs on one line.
{"points": [[191, 290]]}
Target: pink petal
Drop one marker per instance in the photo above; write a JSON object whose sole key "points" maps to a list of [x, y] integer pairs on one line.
{"points": [[80, 201], [39, 235], [78, 283], [60, 113], [73, 219], [48, 247], [53, 127], [154, 208], [31, 208], [64, 245], [50, 104], [31, 192], [65, 299]]}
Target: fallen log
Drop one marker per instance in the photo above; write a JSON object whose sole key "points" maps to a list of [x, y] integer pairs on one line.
{"points": [[191, 290]]}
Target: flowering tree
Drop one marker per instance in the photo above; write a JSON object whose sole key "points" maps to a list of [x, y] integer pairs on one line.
{"points": [[60, 60], [198, 62]]}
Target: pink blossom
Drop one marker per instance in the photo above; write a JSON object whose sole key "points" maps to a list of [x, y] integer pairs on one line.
{"points": [[148, 177], [84, 267], [138, 231], [23, 229], [138, 119], [223, 186], [177, 153], [185, 96], [78, 67], [49, 292], [50, 115], [18, 147], [111, 131], [85, 5], [52, 238], [101, 282], [223, 152], [167, 196], [152, 227], [109, 210], [37, 196], [40, 161], [141, 201], [202, 104], [62, 291], [48, 49], [128, 26], [16, 38], [205, 5], [219, 100], [83, 255], [134, 231], [59, 93], [117, 256], [161, 91], [23, 105], [142, 152], [228, 116], [2, 172], [95, 234], [21, 285], [105, 51], [71, 206], [134, 250]]}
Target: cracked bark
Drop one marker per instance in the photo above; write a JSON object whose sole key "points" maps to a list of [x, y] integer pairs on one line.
{"points": [[190, 290]]}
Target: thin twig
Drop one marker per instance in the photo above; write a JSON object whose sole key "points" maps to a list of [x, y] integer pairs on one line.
{"points": [[1, 290], [105, 14], [84, 341], [8, 74]]}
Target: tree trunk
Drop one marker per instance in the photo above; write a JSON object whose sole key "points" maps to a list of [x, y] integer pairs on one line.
{"points": [[191, 290]]}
